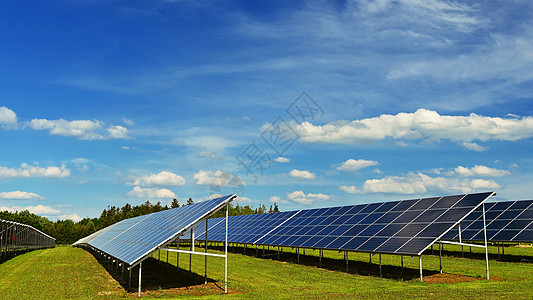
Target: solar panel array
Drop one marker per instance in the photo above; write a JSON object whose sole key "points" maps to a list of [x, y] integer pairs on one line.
{"points": [[507, 221], [132, 239], [16, 236], [400, 227]]}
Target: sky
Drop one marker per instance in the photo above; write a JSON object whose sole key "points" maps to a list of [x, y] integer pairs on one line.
{"points": [[303, 103]]}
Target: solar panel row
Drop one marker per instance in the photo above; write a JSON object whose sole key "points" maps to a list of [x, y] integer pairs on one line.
{"points": [[399, 227], [132, 239], [507, 221]]}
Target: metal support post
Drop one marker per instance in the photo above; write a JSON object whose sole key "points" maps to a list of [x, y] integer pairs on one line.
{"points": [[420, 267], [190, 254], [401, 257], [140, 279], [440, 257], [205, 262], [298, 255], [346, 256], [122, 271], [485, 236], [178, 254], [498, 245], [370, 257], [320, 259], [278, 252], [380, 274], [226, 252], [460, 241]]}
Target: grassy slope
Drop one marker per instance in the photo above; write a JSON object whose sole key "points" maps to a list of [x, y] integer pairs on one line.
{"points": [[59, 273], [66, 272]]}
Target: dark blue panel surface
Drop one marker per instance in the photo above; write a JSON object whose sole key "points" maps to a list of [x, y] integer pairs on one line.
{"points": [[505, 221], [132, 239]]}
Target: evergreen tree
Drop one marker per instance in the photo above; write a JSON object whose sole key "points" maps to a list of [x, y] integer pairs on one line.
{"points": [[175, 203]]}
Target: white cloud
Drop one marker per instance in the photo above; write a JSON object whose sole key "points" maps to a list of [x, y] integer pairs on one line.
{"points": [[38, 209], [282, 159], [139, 192], [73, 217], [243, 200], [163, 178], [8, 118], [26, 170], [276, 199], [302, 174], [473, 146], [480, 171], [424, 125], [419, 183], [128, 122], [301, 197], [81, 129], [117, 132], [354, 165], [218, 178], [20, 195]]}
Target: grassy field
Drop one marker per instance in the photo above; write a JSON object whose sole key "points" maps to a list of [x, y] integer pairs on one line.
{"points": [[72, 273]]}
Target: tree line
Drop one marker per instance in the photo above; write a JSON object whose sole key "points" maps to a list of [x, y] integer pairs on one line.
{"points": [[68, 231]]}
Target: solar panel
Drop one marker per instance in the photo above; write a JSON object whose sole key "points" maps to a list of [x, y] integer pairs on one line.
{"points": [[132, 239], [242, 229], [507, 221], [400, 227]]}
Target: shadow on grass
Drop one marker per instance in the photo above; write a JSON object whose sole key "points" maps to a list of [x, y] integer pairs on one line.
{"points": [[162, 276], [339, 265], [481, 255]]}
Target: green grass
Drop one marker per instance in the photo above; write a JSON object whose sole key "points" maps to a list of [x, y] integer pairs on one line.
{"points": [[67, 273], [58, 273]]}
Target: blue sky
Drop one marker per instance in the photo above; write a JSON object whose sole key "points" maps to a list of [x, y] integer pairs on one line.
{"points": [[108, 102]]}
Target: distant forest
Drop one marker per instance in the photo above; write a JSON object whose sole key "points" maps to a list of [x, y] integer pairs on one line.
{"points": [[68, 231]]}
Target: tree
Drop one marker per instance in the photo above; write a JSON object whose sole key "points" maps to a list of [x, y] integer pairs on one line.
{"points": [[175, 203], [276, 209], [189, 202]]}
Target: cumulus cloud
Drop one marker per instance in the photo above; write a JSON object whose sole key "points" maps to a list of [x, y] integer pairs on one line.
{"points": [[26, 170], [276, 199], [419, 183], [301, 197], [480, 171], [73, 217], [306, 175], [217, 178], [282, 159], [38, 209], [354, 165], [139, 192], [163, 178], [20, 195], [8, 118], [80, 129], [422, 125]]}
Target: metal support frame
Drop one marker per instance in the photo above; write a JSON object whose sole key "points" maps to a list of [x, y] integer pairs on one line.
{"points": [[380, 274], [485, 236], [226, 254], [140, 278], [205, 262], [420, 267], [440, 258], [346, 258]]}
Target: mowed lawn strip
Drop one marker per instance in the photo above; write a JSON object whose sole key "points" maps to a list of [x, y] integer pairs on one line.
{"points": [[58, 273], [71, 273]]}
